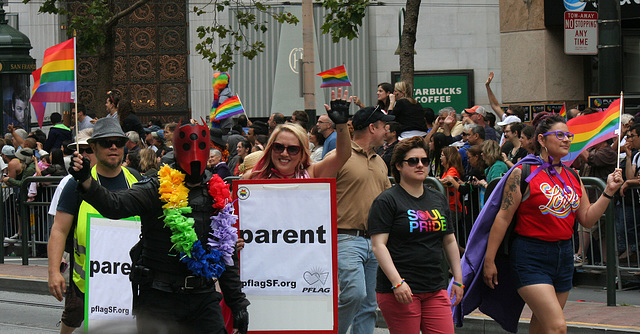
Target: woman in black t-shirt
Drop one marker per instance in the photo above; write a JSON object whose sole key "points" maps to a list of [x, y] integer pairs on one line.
{"points": [[410, 226]]}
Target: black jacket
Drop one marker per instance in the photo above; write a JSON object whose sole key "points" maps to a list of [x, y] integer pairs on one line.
{"points": [[143, 200]]}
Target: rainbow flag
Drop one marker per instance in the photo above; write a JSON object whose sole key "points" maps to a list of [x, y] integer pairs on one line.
{"points": [[230, 107], [563, 111], [57, 83], [39, 107], [335, 77], [592, 129]]}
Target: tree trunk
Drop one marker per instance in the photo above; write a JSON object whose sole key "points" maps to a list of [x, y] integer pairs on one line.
{"points": [[105, 73], [408, 40]]}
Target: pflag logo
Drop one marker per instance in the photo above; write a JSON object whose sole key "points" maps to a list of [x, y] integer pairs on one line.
{"points": [[574, 5], [243, 193]]}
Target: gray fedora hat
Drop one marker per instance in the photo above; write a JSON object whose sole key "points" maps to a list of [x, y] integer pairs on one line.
{"points": [[25, 154], [106, 128]]}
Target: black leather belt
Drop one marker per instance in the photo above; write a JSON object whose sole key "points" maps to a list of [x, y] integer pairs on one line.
{"points": [[177, 284], [357, 233]]}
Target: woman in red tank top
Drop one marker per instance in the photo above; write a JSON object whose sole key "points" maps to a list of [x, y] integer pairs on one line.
{"points": [[541, 256]]}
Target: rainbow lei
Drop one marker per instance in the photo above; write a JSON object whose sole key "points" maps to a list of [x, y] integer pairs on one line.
{"points": [[223, 236]]}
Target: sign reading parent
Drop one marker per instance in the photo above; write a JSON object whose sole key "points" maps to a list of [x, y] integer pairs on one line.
{"points": [[288, 265], [109, 300]]}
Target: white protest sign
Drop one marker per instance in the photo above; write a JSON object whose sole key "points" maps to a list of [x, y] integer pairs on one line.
{"points": [[108, 297], [288, 266]]}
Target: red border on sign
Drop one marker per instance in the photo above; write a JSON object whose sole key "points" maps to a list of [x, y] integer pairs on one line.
{"points": [[334, 242]]}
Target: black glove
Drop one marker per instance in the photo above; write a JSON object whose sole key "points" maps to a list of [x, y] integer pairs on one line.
{"points": [[82, 174], [339, 112], [241, 321]]}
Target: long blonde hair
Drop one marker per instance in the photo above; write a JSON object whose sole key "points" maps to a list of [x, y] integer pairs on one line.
{"points": [[148, 160], [407, 90], [262, 170]]}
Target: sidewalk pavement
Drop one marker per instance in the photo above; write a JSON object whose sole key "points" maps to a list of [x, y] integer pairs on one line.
{"points": [[585, 312]]}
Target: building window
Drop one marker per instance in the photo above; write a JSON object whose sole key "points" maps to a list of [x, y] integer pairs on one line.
{"points": [[631, 62]]}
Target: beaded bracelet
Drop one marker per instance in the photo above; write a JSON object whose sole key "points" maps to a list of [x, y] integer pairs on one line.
{"points": [[397, 285], [458, 284]]}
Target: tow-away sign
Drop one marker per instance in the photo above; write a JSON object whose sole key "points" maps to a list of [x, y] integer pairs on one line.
{"points": [[581, 33]]}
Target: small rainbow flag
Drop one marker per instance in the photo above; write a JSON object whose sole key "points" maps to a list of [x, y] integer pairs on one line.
{"points": [[39, 107], [230, 107], [57, 83], [592, 129], [563, 111], [335, 77]]}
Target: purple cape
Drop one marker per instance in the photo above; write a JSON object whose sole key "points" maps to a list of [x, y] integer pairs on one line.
{"points": [[503, 303]]}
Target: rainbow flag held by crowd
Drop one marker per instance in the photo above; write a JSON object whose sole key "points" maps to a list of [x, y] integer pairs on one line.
{"points": [[335, 77], [230, 107], [592, 129], [57, 74], [563, 111]]}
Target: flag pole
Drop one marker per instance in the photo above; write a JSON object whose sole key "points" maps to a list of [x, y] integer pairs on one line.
{"points": [[75, 87], [241, 106], [620, 127]]}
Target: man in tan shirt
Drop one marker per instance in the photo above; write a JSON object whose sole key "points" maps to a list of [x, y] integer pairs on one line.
{"points": [[362, 178]]}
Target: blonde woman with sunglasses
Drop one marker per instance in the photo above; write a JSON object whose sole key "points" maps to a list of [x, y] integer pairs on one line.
{"points": [[287, 154]]}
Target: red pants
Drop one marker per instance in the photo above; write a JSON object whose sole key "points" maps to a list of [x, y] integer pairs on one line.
{"points": [[429, 312]]}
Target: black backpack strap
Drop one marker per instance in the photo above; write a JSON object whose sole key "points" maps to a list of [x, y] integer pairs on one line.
{"points": [[509, 235]]}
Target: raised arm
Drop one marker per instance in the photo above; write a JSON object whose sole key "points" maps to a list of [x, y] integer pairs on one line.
{"points": [[339, 114], [141, 199], [495, 105]]}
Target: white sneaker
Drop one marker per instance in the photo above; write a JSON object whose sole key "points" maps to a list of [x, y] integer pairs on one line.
{"points": [[14, 238], [577, 260]]}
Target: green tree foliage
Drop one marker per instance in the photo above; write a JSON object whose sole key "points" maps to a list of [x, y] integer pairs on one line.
{"points": [[97, 18], [344, 18], [233, 41]]}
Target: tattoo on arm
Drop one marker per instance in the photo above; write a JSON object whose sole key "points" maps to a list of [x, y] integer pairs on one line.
{"points": [[513, 185]]}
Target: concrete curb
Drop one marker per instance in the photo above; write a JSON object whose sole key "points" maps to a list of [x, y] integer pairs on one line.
{"points": [[25, 285]]}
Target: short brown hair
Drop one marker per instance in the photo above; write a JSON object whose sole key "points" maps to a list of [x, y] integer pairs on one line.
{"points": [[400, 152]]}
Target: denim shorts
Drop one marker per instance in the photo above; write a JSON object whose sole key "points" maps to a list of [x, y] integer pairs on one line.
{"points": [[535, 261]]}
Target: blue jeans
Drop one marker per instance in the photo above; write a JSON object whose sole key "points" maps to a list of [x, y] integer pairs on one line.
{"points": [[357, 268]]}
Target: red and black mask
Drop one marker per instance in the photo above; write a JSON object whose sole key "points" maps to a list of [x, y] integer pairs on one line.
{"points": [[191, 146]]}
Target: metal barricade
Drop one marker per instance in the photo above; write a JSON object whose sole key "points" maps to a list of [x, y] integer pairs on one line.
{"points": [[30, 214], [627, 218]]}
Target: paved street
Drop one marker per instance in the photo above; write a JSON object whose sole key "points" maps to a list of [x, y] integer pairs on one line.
{"points": [[28, 313]]}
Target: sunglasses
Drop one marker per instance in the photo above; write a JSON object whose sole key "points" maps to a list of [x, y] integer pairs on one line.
{"points": [[412, 162], [107, 143], [465, 134], [86, 150], [292, 150], [561, 135]]}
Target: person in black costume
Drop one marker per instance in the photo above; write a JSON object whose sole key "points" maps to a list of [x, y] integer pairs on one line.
{"points": [[166, 290]]}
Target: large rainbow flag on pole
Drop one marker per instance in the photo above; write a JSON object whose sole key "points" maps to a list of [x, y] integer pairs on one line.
{"points": [[230, 107], [592, 129], [56, 77], [335, 77]]}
